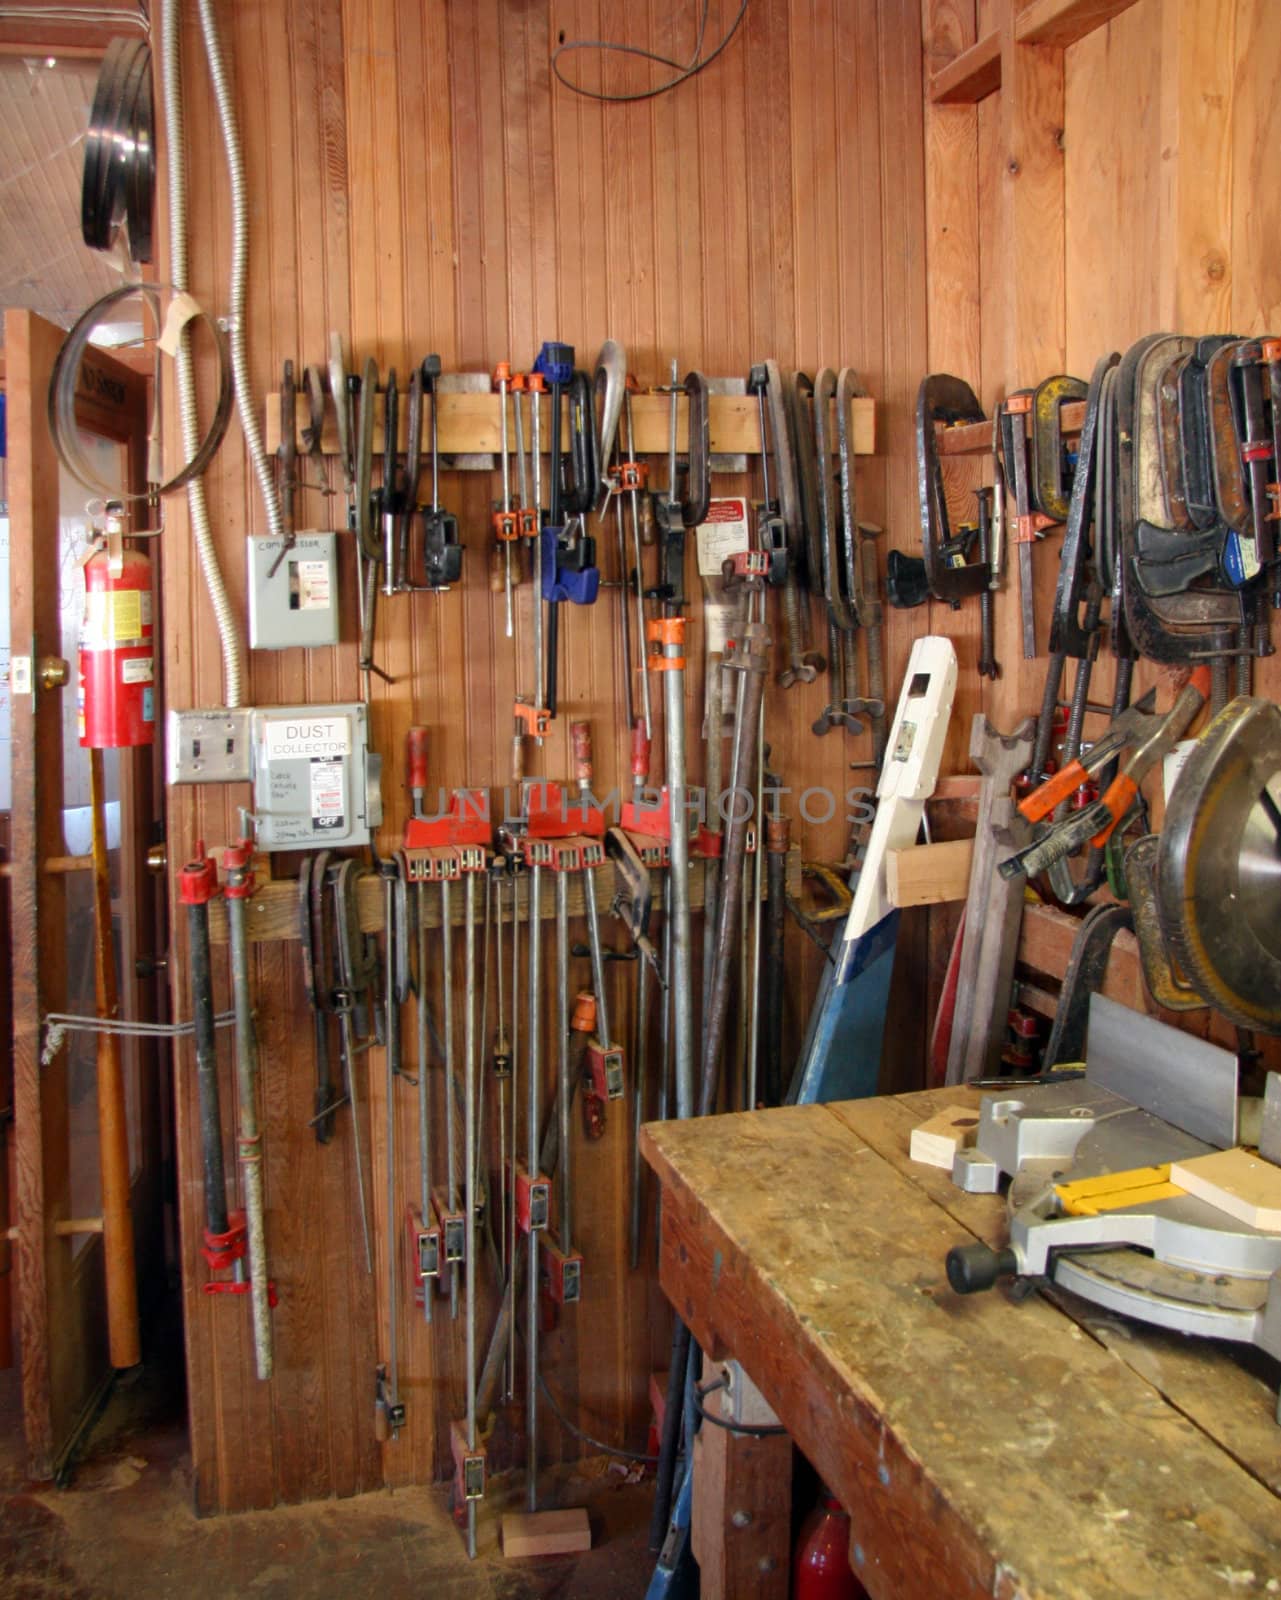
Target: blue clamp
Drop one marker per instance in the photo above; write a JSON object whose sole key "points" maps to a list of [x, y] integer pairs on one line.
{"points": [[555, 362], [569, 574]]}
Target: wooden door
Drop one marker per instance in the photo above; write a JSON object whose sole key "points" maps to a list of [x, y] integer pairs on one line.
{"points": [[59, 1279]]}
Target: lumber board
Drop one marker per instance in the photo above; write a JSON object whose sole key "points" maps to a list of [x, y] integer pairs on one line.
{"points": [[970, 76], [471, 423], [929, 874], [844, 1320], [1238, 1182], [1063, 22], [545, 1533]]}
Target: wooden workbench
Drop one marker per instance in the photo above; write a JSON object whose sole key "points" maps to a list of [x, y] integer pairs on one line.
{"points": [[983, 1446]]}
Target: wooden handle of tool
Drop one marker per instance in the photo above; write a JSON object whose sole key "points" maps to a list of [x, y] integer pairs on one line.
{"points": [[113, 1128], [580, 735]]}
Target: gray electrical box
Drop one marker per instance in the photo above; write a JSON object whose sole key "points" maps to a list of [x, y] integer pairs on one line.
{"points": [[315, 780], [298, 604]]}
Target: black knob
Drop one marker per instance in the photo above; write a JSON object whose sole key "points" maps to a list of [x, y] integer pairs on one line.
{"points": [[971, 1267]]}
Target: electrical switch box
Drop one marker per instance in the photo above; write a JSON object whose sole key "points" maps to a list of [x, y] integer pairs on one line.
{"points": [[297, 604], [316, 782]]}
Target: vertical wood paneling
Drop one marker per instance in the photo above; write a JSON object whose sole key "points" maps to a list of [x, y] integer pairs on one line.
{"points": [[424, 186]]}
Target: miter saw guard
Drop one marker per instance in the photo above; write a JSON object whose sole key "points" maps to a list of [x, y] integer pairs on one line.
{"points": [[1092, 1207]]}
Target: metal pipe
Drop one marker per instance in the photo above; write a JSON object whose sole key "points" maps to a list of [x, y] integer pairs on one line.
{"points": [[778, 836], [236, 863], [758, 875], [712, 806], [531, 1159], [391, 1056], [536, 449], [469, 1171], [624, 601], [598, 960], [679, 972], [636, 557], [564, 1189], [424, 1094], [752, 662], [509, 1386], [447, 987]]}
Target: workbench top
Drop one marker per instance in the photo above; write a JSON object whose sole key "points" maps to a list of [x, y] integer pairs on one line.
{"points": [[983, 1446]]}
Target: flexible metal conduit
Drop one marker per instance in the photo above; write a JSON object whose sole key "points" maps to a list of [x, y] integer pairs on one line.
{"points": [[228, 627], [239, 265]]}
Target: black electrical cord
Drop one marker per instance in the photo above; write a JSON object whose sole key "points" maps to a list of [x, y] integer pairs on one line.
{"points": [[119, 175], [747, 1429], [682, 70], [596, 1444]]}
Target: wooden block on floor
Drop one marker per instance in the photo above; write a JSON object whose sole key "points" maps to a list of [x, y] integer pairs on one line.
{"points": [[1238, 1182], [929, 874], [935, 1143], [546, 1533]]}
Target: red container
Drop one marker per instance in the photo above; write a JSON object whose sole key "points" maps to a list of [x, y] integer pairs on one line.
{"points": [[821, 1565], [117, 690]]}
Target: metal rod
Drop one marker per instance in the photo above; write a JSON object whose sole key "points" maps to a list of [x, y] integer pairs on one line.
{"points": [[536, 429], [758, 875], [679, 979], [639, 589], [712, 821], [507, 505], [625, 610], [531, 1160], [598, 960], [447, 986], [424, 1082], [349, 1068], [249, 1134], [754, 657], [392, 1057], [470, 1263], [509, 1386], [564, 1189]]}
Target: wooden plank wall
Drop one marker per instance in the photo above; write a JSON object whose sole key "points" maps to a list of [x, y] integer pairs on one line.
{"points": [[417, 183], [1145, 209]]}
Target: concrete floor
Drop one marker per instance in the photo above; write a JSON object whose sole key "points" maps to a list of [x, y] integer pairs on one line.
{"points": [[124, 1529]]}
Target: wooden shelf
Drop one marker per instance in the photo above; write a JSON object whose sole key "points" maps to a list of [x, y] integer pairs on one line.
{"points": [[1063, 22], [971, 76], [470, 424], [975, 438]]}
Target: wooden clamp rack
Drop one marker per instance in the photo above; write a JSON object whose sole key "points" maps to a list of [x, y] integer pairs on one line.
{"points": [[470, 424], [272, 910]]}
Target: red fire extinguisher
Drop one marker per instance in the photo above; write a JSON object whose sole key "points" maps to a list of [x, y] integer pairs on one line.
{"points": [[821, 1566], [117, 694]]}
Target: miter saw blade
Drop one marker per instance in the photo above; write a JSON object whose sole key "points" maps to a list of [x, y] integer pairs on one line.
{"points": [[1219, 865]]}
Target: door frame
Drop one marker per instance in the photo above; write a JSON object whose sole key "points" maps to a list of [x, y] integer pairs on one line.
{"points": [[61, 1309]]}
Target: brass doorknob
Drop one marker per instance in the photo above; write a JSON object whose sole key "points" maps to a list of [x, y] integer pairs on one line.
{"points": [[54, 672], [157, 858]]}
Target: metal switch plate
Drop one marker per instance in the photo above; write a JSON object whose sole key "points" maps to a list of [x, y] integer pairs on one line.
{"points": [[209, 746], [298, 604]]}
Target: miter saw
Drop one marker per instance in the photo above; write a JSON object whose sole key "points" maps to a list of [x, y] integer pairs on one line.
{"points": [[1092, 1205]]}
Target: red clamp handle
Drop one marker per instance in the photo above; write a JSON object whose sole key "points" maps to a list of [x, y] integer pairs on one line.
{"points": [[416, 756], [198, 880], [238, 858]]}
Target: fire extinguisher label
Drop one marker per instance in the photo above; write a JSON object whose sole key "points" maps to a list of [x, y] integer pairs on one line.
{"points": [[114, 616], [138, 669], [327, 795]]}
